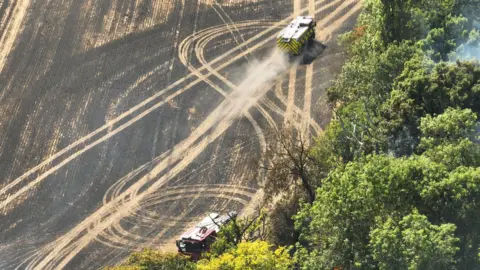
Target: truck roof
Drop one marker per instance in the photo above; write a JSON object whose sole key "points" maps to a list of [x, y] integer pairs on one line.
{"points": [[296, 28], [206, 227]]}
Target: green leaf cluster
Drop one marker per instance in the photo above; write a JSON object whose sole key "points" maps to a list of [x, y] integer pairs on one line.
{"points": [[150, 259], [250, 256]]}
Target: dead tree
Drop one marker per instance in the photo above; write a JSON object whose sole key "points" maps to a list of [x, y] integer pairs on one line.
{"points": [[289, 164]]}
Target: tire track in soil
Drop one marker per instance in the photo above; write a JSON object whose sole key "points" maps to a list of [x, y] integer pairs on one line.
{"points": [[11, 26], [142, 217], [220, 120], [69, 252], [297, 11], [200, 50], [156, 241], [297, 113], [107, 127], [6, 10], [293, 112], [110, 132], [62, 252], [307, 100]]}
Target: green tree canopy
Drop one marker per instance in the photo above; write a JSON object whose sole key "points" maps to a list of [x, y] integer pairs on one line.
{"points": [[402, 192], [150, 259], [250, 256], [413, 243], [351, 200], [339, 226], [450, 126]]}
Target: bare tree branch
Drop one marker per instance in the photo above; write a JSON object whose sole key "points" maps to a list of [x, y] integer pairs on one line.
{"points": [[290, 159]]}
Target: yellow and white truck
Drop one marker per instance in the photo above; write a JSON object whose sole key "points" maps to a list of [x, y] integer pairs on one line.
{"points": [[298, 35]]}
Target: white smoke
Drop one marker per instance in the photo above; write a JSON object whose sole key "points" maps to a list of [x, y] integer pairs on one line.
{"points": [[471, 49], [468, 52]]}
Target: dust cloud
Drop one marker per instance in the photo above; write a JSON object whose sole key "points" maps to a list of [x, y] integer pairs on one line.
{"points": [[257, 79]]}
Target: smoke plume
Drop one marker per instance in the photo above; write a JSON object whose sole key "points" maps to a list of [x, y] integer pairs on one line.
{"points": [[468, 52], [471, 49]]}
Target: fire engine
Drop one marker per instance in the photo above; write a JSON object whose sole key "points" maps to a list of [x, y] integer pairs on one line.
{"points": [[198, 240], [298, 35]]}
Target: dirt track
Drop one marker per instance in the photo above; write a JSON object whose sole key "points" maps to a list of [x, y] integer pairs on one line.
{"points": [[113, 131]]}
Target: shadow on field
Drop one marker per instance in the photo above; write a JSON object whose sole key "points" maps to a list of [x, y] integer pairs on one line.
{"points": [[312, 52]]}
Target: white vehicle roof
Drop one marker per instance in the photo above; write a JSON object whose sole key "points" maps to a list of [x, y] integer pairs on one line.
{"points": [[205, 227], [296, 28]]}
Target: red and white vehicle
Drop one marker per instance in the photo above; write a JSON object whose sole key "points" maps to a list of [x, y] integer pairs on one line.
{"points": [[198, 240]]}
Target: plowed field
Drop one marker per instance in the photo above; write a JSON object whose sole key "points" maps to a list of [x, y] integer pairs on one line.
{"points": [[116, 131]]}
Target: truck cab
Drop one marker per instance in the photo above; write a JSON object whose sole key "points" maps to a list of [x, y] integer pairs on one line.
{"points": [[197, 240]]}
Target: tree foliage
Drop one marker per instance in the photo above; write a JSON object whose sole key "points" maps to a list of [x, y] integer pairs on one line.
{"points": [[413, 243], [404, 140], [339, 226], [281, 222], [450, 138], [250, 255], [441, 185], [351, 200], [451, 126], [392, 78], [150, 259]]}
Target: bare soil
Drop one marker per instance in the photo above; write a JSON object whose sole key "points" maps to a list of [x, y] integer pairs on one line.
{"points": [[117, 129]]}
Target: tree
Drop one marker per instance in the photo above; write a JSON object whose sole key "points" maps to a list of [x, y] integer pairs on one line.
{"points": [[250, 255], [469, 8], [468, 50], [451, 126], [454, 199], [291, 162], [281, 224], [124, 267], [338, 225], [449, 138], [150, 259], [455, 154], [435, 87], [370, 74], [398, 123], [396, 15], [394, 97], [414, 243], [362, 91], [327, 151], [359, 134]]}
